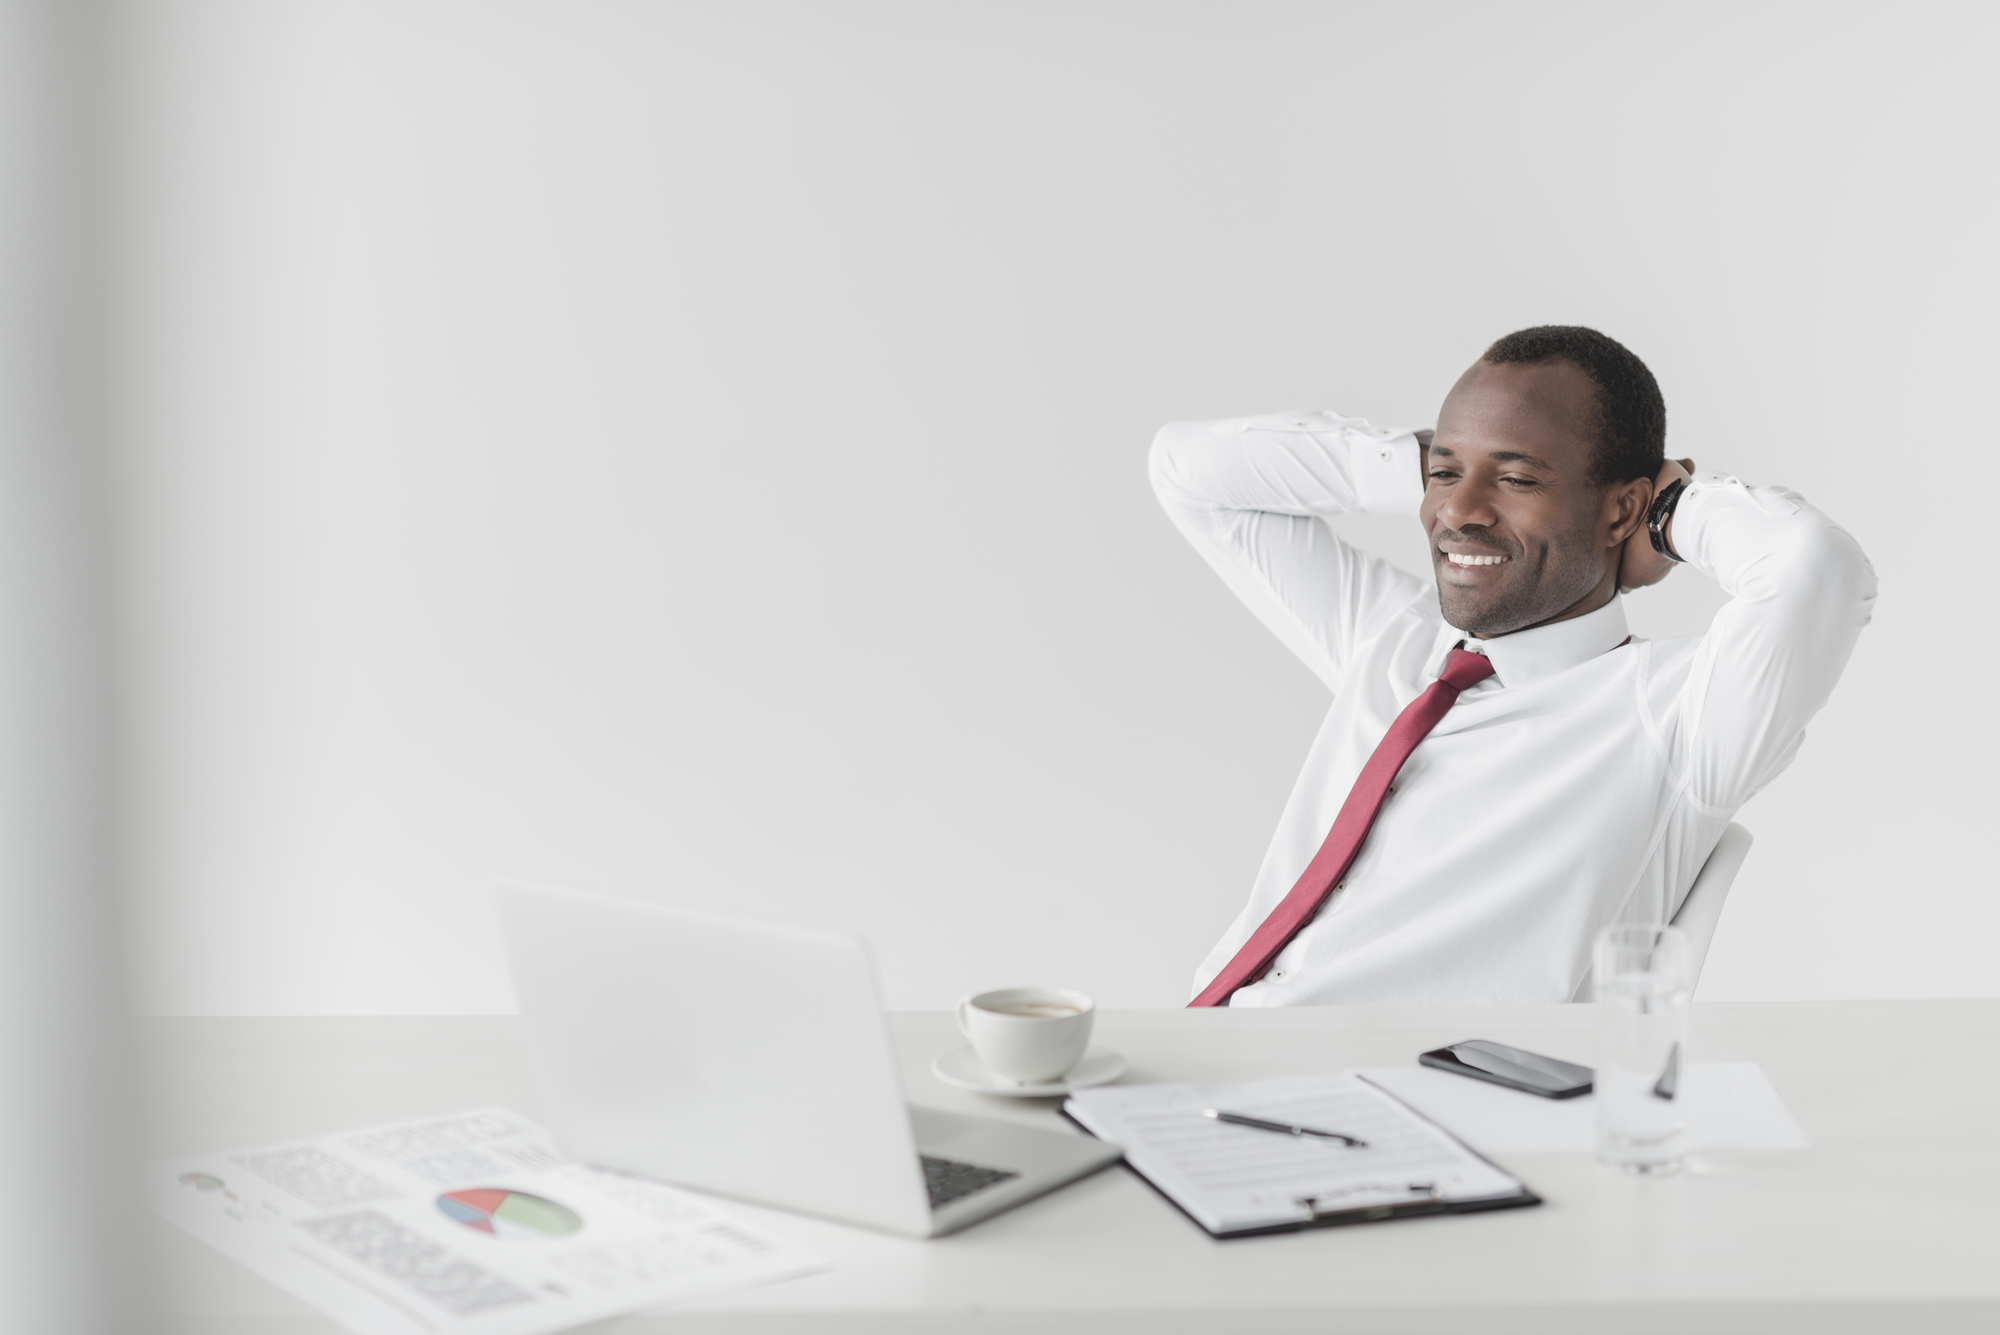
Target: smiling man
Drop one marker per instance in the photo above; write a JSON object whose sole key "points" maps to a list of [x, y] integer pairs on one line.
{"points": [[1505, 768]]}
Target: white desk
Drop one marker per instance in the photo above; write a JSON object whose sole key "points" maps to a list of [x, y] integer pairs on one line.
{"points": [[1890, 1222]]}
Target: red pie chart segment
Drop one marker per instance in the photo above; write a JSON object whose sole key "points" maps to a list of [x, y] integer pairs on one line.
{"points": [[509, 1214]]}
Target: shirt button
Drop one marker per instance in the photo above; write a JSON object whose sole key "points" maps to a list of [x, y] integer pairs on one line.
{"points": [[1338, 888], [1276, 976]]}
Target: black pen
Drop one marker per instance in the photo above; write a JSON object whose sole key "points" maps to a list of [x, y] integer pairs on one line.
{"points": [[1285, 1128]]}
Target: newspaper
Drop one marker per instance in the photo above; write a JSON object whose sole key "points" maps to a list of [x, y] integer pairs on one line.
{"points": [[470, 1224]]}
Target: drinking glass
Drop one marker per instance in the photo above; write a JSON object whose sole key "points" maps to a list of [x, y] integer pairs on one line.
{"points": [[1643, 986]]}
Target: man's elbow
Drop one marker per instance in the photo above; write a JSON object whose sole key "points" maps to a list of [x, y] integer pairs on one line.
{"points": [[1823, 559], [1170, 460]]}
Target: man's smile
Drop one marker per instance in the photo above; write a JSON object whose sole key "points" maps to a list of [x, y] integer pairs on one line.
{"points": [[1470, 554]]}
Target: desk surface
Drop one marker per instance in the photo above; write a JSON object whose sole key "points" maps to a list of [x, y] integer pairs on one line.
{"points": [[1890, 1222]]}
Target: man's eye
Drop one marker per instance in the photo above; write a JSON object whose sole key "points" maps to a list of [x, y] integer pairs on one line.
{"points": [[1523, 481], [1440, 475]]}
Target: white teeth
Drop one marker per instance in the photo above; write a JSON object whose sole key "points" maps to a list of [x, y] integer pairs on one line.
{"points": [[1458, 560]]}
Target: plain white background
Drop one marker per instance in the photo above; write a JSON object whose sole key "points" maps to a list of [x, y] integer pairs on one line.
{"points": [[695, 451]]}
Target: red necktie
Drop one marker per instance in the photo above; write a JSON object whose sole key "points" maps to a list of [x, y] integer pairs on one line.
{"points": [[1350, 827]]}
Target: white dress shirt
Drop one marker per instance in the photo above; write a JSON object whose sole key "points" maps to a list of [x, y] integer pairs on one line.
{"points": [[1584, 783]]}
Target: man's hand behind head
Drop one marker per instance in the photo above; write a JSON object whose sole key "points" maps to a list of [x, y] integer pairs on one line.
{"points": [[1639, 565]]}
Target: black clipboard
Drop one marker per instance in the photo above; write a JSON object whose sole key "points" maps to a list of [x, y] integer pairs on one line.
{"points": [[1369, 1214]]}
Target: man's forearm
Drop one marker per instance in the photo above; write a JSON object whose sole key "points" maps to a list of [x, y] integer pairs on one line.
{"points": [[1250, 495], [1314, 464], [1800, 592]]}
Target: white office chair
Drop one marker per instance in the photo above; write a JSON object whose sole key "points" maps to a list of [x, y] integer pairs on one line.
{"points": [[1702, 908]]}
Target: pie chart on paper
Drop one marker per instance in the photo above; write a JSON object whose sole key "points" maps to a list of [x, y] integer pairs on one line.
{"points": [[515, 1215]]}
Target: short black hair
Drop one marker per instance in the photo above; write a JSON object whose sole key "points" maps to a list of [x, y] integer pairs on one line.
{"points": [[1631, 414]]}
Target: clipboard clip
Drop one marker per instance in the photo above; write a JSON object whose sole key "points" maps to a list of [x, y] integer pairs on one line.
{"points": [[1316, 1207]]}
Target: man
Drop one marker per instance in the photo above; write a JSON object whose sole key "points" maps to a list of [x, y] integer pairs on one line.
{"points": [[1536, 772]]}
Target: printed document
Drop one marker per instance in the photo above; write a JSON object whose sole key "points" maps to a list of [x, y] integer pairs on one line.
{"points": [[470, 1224]]}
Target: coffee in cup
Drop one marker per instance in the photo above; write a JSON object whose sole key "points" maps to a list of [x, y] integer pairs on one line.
{"points": [[1030, 1035]]}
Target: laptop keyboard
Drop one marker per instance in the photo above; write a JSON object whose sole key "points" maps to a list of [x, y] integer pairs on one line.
{"points": [[950, 1180]]}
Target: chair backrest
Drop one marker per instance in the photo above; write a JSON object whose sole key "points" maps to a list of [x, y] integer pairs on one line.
{"points": [[1702, 908]]}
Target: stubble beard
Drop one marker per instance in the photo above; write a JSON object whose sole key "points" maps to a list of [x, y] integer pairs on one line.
{"points": [[1561, 576]]}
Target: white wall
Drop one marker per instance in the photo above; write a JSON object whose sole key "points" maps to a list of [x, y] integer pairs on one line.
{"points": [[695, 451]]}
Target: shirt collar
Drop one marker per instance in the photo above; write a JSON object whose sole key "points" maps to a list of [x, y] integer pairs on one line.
{"points": [[1529, 655]]}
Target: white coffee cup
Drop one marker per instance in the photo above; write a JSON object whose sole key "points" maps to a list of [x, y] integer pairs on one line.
{"points": [[1030, 1035]]}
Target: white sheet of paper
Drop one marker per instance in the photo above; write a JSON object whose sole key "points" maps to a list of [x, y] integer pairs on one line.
{"points": [[1730, 1106], [470, 1224]]}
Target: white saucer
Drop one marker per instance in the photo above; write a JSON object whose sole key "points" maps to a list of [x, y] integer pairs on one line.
{"points": [[1100, 1066]]}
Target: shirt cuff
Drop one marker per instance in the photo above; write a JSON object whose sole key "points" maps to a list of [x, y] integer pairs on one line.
{"points": [[1386, 464], [1710, 494]]}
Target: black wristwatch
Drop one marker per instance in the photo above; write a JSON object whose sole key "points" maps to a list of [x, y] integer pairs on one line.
{"points": [[1662, 511]]}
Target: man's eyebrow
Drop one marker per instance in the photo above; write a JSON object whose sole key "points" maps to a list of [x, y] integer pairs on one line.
{"points": [[1503, 456]]}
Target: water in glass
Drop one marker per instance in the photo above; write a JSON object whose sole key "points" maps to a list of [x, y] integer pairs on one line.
{"points": [[1642, 990]]}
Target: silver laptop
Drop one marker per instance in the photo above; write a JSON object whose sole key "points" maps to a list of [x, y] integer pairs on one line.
{"points": [[750, 1061]]}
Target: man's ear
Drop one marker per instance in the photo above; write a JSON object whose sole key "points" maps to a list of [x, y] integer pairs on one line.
{"points": [[1625, 505]]}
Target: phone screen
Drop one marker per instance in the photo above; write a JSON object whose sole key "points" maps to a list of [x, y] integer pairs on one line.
{"points": [[1483, 1059]]}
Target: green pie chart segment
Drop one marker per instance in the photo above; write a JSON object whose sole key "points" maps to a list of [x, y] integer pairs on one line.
{"points": [[516, 1215]]}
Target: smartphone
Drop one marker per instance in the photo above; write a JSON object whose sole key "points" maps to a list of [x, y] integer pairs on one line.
{"points": [[1530, 1072]]}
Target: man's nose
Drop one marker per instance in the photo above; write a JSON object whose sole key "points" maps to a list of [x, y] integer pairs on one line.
{"points": [[1469, 505]]}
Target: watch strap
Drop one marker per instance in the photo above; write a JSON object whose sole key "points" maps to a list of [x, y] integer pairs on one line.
{"points": [[1663, 510]]}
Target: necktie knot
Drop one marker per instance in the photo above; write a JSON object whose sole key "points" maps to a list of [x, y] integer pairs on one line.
{"points": [[1462, 669]]}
